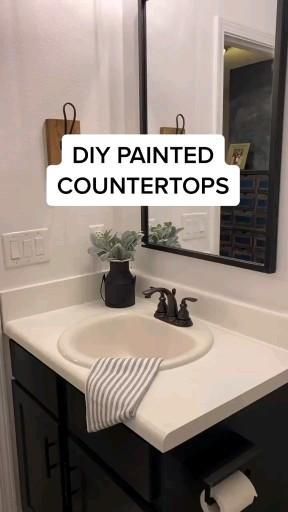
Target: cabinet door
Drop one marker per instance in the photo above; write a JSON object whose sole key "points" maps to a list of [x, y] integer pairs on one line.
{"points": [[92, 489], [38, 455], [111, 444]]}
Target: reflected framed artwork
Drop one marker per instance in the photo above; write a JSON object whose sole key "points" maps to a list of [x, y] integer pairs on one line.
{"points": [[238, 154]]}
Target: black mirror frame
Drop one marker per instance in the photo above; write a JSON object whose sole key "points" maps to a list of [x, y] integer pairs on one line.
{"points": [[278, 103]]}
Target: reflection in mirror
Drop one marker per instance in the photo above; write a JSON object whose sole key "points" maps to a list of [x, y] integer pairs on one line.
{"points": [[218, 71], [247, 114]]}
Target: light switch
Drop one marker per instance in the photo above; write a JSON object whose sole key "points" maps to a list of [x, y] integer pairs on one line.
{"points": [[25, 247], [39, 245], [15, 252], [28, 248]]}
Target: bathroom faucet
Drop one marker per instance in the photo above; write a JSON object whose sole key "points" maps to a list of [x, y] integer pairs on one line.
{"points": [[168, 311], [172, 309]]}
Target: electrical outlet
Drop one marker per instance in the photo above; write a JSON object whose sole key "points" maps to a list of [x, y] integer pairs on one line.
{"points": [[97, 228], [25, 247]]}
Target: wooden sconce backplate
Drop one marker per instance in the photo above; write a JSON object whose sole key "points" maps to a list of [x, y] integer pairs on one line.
{"points": [[54, 133]]}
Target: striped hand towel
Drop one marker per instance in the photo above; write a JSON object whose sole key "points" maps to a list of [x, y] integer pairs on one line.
{"points": [[115, 388]]}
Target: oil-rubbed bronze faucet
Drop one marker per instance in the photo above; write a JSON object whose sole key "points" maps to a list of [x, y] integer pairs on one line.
{"points": [[167, 311]]}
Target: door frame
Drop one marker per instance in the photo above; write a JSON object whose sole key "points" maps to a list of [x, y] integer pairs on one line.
{"points": [[237, 34], [9, 477]]}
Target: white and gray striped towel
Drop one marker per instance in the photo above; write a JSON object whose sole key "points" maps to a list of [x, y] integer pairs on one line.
{"points": [[115, 388]]}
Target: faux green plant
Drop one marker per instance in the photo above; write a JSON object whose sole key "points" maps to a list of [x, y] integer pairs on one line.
{"points": [[110, 246], [165, 234]]}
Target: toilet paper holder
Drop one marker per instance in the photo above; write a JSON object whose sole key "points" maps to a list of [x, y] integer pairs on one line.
{"points": [[241, 453]]}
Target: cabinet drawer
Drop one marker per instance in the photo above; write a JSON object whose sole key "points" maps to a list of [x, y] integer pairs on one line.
{"points": [[35, 377], [134, 460]]}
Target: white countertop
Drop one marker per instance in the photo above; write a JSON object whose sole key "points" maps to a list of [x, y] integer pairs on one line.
{"points": [[181, 402]]}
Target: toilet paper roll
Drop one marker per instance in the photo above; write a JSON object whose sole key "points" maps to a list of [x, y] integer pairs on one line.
{"points": [[233, 494]]}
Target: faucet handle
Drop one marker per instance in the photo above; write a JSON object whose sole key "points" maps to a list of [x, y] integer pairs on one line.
{"points": [[191, 299], [184, 318]]}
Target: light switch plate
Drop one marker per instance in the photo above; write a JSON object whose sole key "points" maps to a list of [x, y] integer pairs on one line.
{"points": [[195, 225], [25, 247], [97, 228]]}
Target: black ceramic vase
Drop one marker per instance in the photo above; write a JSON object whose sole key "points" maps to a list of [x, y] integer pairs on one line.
{"points": [[119, 285]]}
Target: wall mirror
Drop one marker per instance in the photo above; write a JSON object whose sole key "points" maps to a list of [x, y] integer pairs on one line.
{"points": [[222, 65]]}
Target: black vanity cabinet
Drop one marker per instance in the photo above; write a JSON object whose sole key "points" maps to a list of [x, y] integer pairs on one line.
{"points": [[38, 455], [65, 469]]}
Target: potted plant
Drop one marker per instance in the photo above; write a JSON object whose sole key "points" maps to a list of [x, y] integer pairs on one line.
{"points": [[165, 234], [119, 251]]}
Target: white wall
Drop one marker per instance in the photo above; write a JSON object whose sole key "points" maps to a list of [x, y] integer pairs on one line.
{"points": [[51, 52], [259, 14], [264, 290]]}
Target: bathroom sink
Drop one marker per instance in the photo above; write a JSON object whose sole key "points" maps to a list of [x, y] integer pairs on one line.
{"points": [[133, 335]]}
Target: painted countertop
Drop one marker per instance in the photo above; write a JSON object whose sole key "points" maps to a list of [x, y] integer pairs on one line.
{"points": [[181, 402]]}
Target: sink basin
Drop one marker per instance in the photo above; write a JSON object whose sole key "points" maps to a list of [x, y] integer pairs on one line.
{"points": [[133, 335]]}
